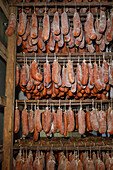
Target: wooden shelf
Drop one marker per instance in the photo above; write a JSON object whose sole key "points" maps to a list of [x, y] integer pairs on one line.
{"points": [[63, 102], [2, 101], [93, 143], [62, 4], [41, 57]]}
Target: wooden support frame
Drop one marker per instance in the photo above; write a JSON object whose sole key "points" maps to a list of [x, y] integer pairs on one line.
{"points": [[9, 109]]}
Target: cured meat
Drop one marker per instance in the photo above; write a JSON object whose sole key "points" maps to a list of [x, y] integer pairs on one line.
{"points": [[91, 48], [17, 76], [25, 165], [11, 24], [31, 121], [70, 71], [55, 72], [47, 73], [102, 45], [109, 31], [91, 75], [34, 73], [71, 43], [38, 120], [64, 23], [51, 163], [80, 165], [51, 42], [60, 121], [68, 84], [56, 25], [87, 39], [22, 23], [77, 43], [17, 119], [61, 41], [97, 81], [82, 42], [46, 27], [90, 28], [70, 119], [63, 77], [102, 23], [102, 122], [19, 161], [94, 120], [79, 73], [105, 72], [80, 37], [25, 122], [85, 73], [88, 121], [111, 73], [34, 42], [81, 121], [23, 76], [101, 77], [65, 123], [19, 40], [67, 37], [27, 32], [110, 121], [74, 86], [76, 24], [30, 83], [47, 120], [40, 43], [99, 36], [34, 26], [54, 123]]}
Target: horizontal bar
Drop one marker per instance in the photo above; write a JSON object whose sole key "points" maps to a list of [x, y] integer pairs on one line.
{"points": [[76, 148], [62, 102], [64, 54], [62, 4]]}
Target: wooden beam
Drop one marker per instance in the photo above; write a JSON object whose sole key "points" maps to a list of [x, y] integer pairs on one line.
{"points": [[63, 102], [73, 143], [62, 4], [9, 109], [5, 7], [3, 51], [2, 101]]}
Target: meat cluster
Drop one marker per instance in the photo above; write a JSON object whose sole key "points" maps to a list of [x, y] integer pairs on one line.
{"points": [[65, 121], [68, 161], [89, 80], [59, 36]]}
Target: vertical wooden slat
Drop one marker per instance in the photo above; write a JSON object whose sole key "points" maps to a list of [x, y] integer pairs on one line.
{"points": [[9, 110]]}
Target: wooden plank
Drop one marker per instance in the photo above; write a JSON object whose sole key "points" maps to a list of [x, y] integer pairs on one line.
{"points": [[41, 57], [95, 143], [9, 109], [62, 102], [5, 7], [3, 51], [65, 54], [2, 101], [62, 4]]}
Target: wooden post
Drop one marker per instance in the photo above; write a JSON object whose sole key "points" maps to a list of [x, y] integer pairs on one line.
{"points": [[9, 109]]}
